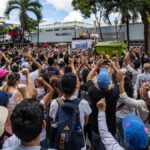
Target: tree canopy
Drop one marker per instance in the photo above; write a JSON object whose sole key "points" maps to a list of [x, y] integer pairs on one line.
{"points": [[25, 7]]}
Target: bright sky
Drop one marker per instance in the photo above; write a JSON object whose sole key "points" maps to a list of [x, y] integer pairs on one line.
{"points": [[53, 11]]}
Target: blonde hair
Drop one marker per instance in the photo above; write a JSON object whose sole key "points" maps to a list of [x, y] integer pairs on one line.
{"points": [[147, 67]]}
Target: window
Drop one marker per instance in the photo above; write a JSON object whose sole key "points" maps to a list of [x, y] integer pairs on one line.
{"points": [[64, 28], [48, 30], [56, 29]]}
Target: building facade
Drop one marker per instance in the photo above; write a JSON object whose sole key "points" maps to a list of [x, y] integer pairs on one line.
{"points": [[65, 32]]}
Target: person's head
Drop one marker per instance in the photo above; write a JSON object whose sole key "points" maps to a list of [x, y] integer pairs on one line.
{"points": [[146, 67], [135, 133], [145, 88], [27, 120], [54, 82], [51, 61], [41, 57], [25, 64], [114, 78], [61, 55], [84, 75], [13, 79], [66, 59], [128, 84], [68, 84], [103, 80], [3, 74], [4, 98], [15, 68], [136, 64], [3, 117]]}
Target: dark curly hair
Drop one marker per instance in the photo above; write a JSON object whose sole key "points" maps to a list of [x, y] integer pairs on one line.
{"points": [[68, 83], [27, 119], [51, 61]]}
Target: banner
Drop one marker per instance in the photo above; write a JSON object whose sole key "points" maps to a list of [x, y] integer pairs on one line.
{"points": [[79, 44]]}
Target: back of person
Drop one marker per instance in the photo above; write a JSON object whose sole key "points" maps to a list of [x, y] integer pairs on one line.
{"points": [[69, 129], [61, 110], [112, 97], [51, 71]]}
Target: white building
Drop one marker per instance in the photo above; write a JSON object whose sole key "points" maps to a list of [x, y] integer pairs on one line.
{"points": [[64, 26]]}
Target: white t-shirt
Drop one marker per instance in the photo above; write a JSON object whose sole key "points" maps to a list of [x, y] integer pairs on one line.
{"points": [[141, 78], [134, 72], [33, 75]]}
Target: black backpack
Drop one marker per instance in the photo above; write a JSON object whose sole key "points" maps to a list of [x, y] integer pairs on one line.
{"points": [[69, 131]]}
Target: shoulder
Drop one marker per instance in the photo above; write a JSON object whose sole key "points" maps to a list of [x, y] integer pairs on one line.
{"points": [[34, 73], [90, 83], [11, 142], [84, 102], [54, 103], [85, 107], [113, 94], [12, 148], [53, 108], [91, 87]]}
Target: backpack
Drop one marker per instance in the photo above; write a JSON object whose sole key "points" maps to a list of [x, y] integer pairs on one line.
{"points": [[69, 134]]}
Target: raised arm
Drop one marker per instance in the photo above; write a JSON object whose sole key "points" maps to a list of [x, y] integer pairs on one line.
{"points": [[48, 97], [106, 137], [138, 104], [93, 71], [36, 63], [27, 91], [74, 72], [4, 56]]}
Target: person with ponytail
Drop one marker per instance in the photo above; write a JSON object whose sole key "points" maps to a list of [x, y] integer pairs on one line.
{"points": [[11, 87]]}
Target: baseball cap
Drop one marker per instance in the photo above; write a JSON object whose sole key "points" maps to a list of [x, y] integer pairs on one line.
{"points": [[103, 78], [3, 117], [4, 97], [135, 132], [3, 73], [25, 65]]}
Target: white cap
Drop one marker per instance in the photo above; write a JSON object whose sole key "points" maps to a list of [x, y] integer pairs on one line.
{"points": [[3, 118], [25, 65]]}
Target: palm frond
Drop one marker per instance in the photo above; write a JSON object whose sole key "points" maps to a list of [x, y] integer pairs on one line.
{"points": [[34, 4], [37, 13], [9, 9]]}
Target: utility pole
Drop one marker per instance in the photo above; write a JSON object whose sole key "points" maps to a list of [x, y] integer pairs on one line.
{"points": [[116, 26], [38, 33]]}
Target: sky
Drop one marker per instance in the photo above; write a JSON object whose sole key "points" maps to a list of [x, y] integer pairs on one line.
{"points": [[52, 11]]}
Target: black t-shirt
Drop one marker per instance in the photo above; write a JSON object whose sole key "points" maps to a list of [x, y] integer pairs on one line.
{"points": [[83, 93], [111, 97], [68, 70], [51, 71]]}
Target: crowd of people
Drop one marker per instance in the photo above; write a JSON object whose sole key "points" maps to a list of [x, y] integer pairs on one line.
{"points": [[74, 99]]}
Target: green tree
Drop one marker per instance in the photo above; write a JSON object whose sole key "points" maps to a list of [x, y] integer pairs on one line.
{"points": [[25, 7], [3, 31], [32, 25], [145, 13], [128, 10], [88, 7]]}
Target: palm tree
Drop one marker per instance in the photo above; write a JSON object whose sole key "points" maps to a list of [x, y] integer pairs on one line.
{"points": [[128, 11], [25, 7]]}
